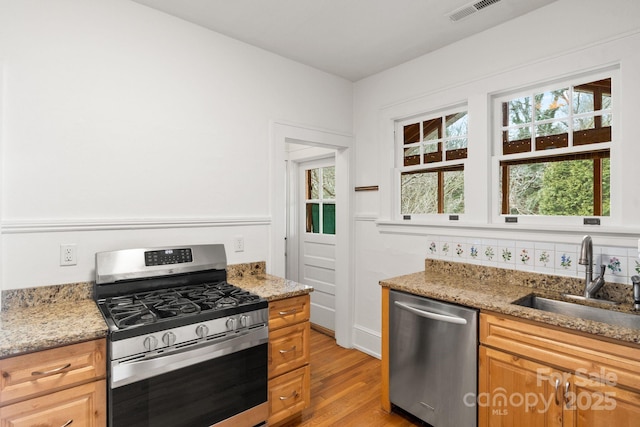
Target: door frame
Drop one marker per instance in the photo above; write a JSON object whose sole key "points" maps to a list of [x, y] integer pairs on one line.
{"points": [[281, 134]]}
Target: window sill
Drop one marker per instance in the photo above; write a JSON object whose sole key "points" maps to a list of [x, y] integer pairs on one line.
{"points": [[418, 227]]}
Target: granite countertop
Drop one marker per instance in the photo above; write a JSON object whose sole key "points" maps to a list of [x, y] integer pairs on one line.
{"points": [[39, 318], [34, 328], [253, 277], [494, 291]]}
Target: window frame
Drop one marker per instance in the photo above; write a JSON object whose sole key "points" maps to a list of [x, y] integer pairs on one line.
{"points": [[579, 150], [321, 201], [453, 162]]}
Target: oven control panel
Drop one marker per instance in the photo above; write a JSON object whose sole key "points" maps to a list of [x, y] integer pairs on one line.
{"points": [[167, 256]]}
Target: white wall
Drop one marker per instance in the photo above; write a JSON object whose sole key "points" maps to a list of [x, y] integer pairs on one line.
{"points": [[564, 38], [124, 126]]}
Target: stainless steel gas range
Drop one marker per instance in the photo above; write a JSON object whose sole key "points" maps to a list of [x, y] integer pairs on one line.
{"points": [[185, 347]]}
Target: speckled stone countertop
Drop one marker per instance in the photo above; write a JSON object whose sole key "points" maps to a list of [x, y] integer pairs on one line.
{"points": [[50, 316], [253, 277], [39, 318], [495, 290]]}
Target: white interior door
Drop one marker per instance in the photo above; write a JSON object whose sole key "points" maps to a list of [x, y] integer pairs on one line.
{"points": [[317, 239]]}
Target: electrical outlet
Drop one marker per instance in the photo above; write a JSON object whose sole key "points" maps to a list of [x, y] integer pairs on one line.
{"points": [[68, 254], [238, 244]]}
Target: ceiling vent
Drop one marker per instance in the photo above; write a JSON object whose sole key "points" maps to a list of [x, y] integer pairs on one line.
{"points": [[470, 9]]}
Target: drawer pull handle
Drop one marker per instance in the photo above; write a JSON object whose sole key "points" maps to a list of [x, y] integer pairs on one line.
{"points": [[285, 313], [68, 423], [288, 351], [291, 396], [51, 371], [557, 387]]}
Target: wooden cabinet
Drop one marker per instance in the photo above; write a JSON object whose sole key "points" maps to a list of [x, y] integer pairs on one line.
{"points": [[56, 387], [534, 375], [289, 372]]}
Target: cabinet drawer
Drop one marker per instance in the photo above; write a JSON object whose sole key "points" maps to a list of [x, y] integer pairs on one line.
{"points": [[38, 373], [289, 394], [83, 405], [288, 311], [288, 348], [563, 349]]}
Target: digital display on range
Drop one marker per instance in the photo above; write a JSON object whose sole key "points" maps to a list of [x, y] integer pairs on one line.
{"points": [[167, 256]]}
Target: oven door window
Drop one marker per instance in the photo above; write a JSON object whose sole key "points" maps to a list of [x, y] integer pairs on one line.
{"points": [[195, 396]]}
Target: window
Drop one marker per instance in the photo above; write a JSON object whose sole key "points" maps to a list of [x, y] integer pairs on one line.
{"points": [[432, 174], [321, 200], [555, 146]]}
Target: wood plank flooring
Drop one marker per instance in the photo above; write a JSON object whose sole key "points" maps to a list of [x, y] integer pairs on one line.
{"points": [[345, 389]]}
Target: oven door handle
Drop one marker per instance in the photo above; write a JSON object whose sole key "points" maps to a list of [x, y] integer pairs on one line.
{"points": [[133, 370]]}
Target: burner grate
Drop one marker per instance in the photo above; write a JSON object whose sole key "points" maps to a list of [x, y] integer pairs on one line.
{"points": [[150, 307]]}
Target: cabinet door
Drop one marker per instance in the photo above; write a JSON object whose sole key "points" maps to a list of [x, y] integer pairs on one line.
{"points": [[288, 348], [83, 405], [597, 404], [289, 394], [515, 392]]}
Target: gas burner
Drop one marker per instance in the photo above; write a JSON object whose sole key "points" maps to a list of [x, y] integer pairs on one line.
{"points": [[226, 302], [162, 304]]}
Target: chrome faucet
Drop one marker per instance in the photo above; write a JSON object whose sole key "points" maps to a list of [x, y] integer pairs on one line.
{"points": [[636, 292], [586, 258]]}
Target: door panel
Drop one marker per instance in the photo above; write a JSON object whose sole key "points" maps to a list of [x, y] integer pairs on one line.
{"points": [[317, 249]]}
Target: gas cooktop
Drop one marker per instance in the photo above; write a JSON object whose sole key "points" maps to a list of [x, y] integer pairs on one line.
{"points": [[154, 306]]}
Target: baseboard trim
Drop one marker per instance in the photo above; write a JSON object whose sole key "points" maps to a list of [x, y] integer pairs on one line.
{"points": [[323, 330], [367, 341]]}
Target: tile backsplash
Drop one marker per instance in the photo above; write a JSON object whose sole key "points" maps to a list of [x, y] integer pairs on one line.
{"points": [[561, 259]]}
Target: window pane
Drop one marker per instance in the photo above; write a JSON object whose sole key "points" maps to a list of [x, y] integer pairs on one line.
{"points": [[525, 183], [584, 123], [592, 96], [583, 101], [518, 111], [419, 193], [568, 188], [456, 124], [313, 218], [430, 147], [329, 182], [454, 192], [555, 128], [516, 134], [412, 156], [313, 184], [552, 105], [455, 144], [412, 133], [606, 120], [432, 129], [563, 188], [328, 219]]}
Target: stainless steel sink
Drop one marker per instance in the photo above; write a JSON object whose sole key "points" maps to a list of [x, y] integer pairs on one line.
{"points": [[611, 317]]}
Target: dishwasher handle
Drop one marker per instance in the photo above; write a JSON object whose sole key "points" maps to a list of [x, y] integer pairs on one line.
{"points": [[430, 315]]}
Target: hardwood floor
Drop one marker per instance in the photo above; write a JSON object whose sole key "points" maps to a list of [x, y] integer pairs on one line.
{"points": [[345, 389]]}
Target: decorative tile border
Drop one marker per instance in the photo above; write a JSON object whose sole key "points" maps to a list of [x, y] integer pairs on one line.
{"points": [[536, 257]]}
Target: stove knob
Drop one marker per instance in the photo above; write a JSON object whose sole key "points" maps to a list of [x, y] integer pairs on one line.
{"points": [[202, 331], [245, 321], [150, 342], [232, 323], [169, 338]]}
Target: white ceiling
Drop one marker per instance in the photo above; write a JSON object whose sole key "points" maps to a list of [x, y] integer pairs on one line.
{"points": [[349, 38]]}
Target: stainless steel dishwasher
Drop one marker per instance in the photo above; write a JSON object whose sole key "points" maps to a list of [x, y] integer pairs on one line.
{"points": [[433, 360]]}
